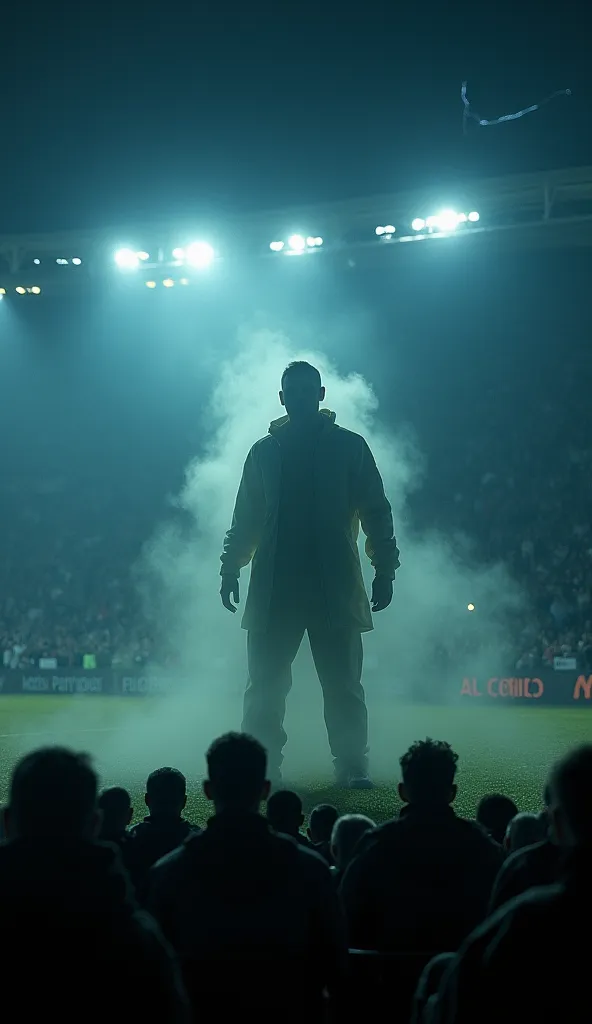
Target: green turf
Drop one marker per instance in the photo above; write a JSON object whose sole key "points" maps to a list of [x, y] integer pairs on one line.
{"points": [[506, 749]]}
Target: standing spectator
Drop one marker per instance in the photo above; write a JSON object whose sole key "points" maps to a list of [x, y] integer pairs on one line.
{"points": [[320, 829], [494, 814], [65, 894], [347, 833], [422, 881], [524, 830], [544, 930], [165, 827], [284, 814], [241, 903], [534, 865], [116, 809]]}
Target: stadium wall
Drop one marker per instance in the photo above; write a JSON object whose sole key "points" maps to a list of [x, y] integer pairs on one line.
{"points": [[566, 688]]}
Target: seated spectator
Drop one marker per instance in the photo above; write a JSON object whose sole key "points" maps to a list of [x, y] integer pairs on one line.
{"points": [[164, 828], [544, 930], [116, 810], [284, 814], [64, 893], [347, 832], [494, 814], [241, 903], [524, 830], [320, 829], [422, 881], [534, 865]]}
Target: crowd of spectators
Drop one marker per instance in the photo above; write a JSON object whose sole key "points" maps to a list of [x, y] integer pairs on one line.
{"points": [[438, 918]]}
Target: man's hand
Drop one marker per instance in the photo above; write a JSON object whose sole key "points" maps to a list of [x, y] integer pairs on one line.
{"points": [[229, 589], [382, 593]]}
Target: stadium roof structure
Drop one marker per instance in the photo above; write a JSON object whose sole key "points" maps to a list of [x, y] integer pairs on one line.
{"points": [[550, 208]]}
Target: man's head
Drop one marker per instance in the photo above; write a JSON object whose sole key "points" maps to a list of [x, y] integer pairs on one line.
{"points": [[570, 792], [237, 766], [494, 813], [524, 830], [166, 793], [322, 820], [302, 391], [284, 812], [347, 832], [53, 794], [428, 770], [116, 808]]}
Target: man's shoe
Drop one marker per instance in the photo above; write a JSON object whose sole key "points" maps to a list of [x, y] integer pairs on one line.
{"points": [[358, 780], [361, 782]]}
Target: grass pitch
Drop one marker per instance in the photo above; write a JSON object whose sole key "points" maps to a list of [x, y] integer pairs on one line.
{"points": [[507, 749]]}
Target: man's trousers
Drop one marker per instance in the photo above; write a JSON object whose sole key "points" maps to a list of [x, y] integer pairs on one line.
{"points": [[337, 654]]}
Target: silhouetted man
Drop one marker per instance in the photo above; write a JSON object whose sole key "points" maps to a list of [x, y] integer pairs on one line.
{"points": [[421, 881], [285, 815], [116, 808], [305, 489], [545, 930], [164, 828], [253, 910], [66, 894]]}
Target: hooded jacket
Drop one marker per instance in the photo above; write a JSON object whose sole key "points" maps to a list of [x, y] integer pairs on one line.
{"points": [[348, 492], [73, 937]]}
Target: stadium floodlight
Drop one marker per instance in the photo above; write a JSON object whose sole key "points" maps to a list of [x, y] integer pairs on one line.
{"points": [[76, 261], [127, 259], [62, 263], [141, 256], [473, 216], [418, 224], [184, 280], [168, 282], [150, 284], [314, 241], [380, 230], [2, 292], [385, 230], [21, 290], [36, 290], [296, 243], [178, 253], [199, 254], [36, 262], [470, 607], [276, 246]]}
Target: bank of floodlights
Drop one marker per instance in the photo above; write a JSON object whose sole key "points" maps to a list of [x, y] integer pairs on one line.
{"points": [[169, 282], [25, 290], [130, 259], [444, 222], [297, 244], [196, 254], [385, 232]]}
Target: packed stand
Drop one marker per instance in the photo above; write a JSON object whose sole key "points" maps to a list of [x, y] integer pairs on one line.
{"points": [[251, 915]]}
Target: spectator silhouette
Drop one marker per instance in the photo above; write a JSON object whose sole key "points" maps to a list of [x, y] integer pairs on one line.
{"points": [[422, 881], [524, 830], [539, 864], [164, 828], [284, 814], [65, 894], [495, 813], [116, 809], [347, 832], [240, 902], [544, 930], [320, 829]]}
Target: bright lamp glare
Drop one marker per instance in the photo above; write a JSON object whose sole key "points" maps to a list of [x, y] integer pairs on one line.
{"points": [[447, 220], [36, 290], [276, 246], [470, 607], [126, 259], [140, 255], [380, 230], [21, 290], [297, 243], [184, 281], [199, 254], [178, 253], [418, 224], [168, 282], [150, 284], [76, 261], [473, 217], [37, 262], [389, 229]]}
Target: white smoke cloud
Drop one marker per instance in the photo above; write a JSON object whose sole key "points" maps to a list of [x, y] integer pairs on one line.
{"points": [[418, 643]]}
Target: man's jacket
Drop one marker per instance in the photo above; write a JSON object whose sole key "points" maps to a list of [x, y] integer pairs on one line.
{"points": [[348, 492]]}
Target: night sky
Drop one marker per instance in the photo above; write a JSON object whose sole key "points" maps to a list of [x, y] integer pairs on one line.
{"points": [[116, 112]]}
